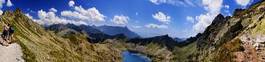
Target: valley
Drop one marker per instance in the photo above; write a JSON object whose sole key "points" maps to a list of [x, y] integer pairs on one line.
{"points": [[235, 38]]}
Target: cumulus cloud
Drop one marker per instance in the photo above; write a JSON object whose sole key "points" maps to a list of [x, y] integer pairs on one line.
{"points": [[53, 10], [87, 15], [190, 19], [161, 17], [243, 2], [174, 2], [204, 20], [120, 19], [71, 3], [9, 3], [78, 16], [48, 18], [213, 8], [155, 26], [1, 3]]}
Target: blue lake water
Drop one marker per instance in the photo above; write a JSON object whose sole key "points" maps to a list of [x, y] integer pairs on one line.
{"points": [[134, 57]]}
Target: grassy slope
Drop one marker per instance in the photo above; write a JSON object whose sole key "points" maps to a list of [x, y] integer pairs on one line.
{"points": [[184, 54], [40, 45]]}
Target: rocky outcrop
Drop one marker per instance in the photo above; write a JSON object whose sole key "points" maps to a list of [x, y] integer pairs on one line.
{"points": [[236, 38]]}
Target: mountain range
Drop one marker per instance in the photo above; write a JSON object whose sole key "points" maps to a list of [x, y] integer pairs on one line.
{"points": [[98, 34], [236, 38], [114, 30]]}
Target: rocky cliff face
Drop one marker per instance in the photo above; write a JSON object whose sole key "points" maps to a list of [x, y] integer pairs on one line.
{"points": [[236, 38]]}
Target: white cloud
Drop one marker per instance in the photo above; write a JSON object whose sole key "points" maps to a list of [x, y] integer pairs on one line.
{"points": [[87, 15], [29, 16], [120, 19], [174, 2], [226, 10], [190, 19], [243, 2], [73, 15], [157, 2], [1, 6], [71, 3], [52, 10], [161, 17], [227, 6], [137, 26], [9, 3], [1, 12], [1, 3], [78, 16], [189, 2], [213, 8], [48, 18], [156, 26], [204, 20]]}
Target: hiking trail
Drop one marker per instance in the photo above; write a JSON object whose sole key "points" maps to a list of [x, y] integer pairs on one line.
{"points": [[11, 53]]}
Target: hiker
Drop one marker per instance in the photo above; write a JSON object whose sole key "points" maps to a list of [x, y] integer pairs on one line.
{"points": [[11, 32], [5, 32]]}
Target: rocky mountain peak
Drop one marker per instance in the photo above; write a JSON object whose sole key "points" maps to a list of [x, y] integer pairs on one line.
{"points": [[222, 40]]}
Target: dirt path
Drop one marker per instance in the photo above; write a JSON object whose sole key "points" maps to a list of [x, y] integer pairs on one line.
{"points": [[11, 53]]}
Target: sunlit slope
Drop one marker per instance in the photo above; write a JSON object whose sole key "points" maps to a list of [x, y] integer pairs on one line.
{"points": [[45, 46], [237, 38]]}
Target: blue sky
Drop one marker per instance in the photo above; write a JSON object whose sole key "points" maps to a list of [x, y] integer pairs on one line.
{"points": [[177, 18]]}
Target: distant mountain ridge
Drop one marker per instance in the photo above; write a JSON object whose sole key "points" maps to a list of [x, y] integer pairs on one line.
{"points": [[40, 45], [93, 33], [85, 28], [163, 40], [96, 35], [104, 30], [237, 38], [114, 30]]}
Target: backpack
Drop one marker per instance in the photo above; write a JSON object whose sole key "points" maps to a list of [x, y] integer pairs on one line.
{"points": [[11, 30]]}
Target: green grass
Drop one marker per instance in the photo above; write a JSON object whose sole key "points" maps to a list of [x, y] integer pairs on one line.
{"points": [[27, 54], [260, 28], [39, 45], [185, 54]]}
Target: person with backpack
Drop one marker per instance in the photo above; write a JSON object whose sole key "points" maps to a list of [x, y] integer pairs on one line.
{"points": [[4, 35], [11, 31], [5, 32]]}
